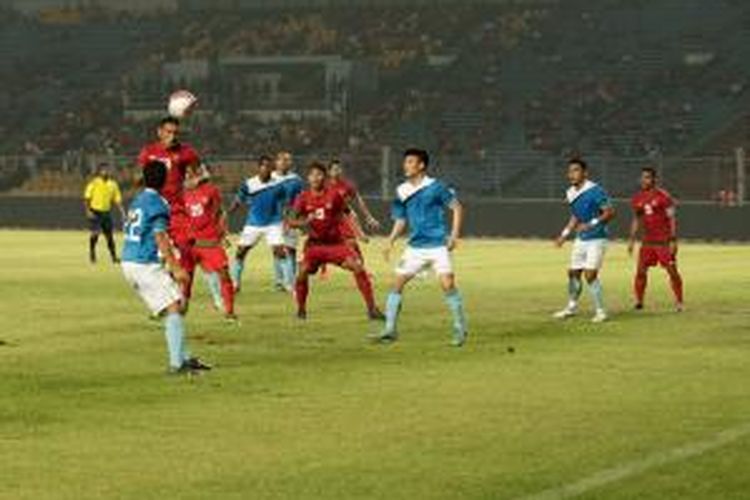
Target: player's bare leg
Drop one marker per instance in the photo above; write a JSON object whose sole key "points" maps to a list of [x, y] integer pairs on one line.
{"points": [[575, 287], [364, 285], [595, 288], [675, 281], [455, 303]]}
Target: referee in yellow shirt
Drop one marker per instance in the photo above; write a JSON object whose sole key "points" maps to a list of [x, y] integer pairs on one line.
{"points": [[101, 193]]}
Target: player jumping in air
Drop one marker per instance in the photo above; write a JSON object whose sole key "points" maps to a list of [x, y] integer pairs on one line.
{"points": [[293, 185], [654, 210], [146, 238], [319, 211], [591, 212], [176, 156], [420, 206], [265, 199], [208, 228]]}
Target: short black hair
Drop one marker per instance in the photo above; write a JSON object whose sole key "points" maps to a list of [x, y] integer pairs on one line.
{"points": [[167, 120], [650, 170], [316, 165], [154, 175], [334, 161], [423, 156], [580, 162], [265, 159]]}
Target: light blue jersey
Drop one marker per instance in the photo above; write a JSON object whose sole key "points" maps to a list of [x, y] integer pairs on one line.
{"points": [[148, 214], [586, 204], [423, 207], [293, 185], [265, 201]]}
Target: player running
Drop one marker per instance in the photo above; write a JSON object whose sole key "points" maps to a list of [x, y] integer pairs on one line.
{"points": [[208, 229], [654, 210], [293, 186], [146, 238], [319, 211], [176, 156], [265, 199], [420, 206], [591, 212]]}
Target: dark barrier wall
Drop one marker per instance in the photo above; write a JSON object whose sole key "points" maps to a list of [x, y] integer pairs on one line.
{"points": [[484, 218]]}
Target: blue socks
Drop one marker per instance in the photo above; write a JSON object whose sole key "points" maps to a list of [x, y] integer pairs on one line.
{"points": [[456, 305], [235, 271], [392, 309], [174, 330], [597, 295], [288, 271], [278, 271], [575, 287], [214, 286]]}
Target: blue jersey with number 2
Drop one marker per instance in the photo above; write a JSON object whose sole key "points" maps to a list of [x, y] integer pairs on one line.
{"points": [[148, 214]]}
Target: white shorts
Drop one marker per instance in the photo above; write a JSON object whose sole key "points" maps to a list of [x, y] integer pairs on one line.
{"points": [[416, 260], [588, 255], [291, 238], [154, 285], [251, 235]]}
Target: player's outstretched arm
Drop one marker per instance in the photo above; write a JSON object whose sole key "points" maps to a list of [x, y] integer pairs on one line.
{"points": [[166, 250], [457, 224]]}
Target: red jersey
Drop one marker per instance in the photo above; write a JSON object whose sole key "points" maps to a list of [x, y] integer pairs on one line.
{"points": [[203, 204], [177, 160], [655, 208], [324, 211], [345, 188]]}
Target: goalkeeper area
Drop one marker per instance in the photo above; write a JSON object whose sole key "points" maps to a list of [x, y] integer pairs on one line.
{"points": [[650, 405]]}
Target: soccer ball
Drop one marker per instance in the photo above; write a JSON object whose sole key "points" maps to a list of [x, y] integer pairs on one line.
{"points": [[180, 104]]}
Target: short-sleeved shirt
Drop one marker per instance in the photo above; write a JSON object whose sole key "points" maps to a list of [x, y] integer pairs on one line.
{"points": [[148, 214], [203, 205], [101, 194], [655, 207], [292, 183], [176, 159], [586, 204], [265, 201], [327, 208], [423, 207]]}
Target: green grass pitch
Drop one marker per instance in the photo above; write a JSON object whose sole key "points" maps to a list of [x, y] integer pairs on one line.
{"points": [[311, 410]]}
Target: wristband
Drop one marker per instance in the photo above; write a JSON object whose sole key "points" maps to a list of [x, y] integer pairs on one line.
{"points": [[594, 222], [565, 233]]}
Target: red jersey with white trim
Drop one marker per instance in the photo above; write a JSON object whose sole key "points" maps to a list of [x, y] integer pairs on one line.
{"points": [[176, 159], [203, 206], [656, 208], [324, 211]]}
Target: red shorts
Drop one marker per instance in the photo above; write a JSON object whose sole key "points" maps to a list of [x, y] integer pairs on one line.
{"points": [[211, 259], [316, 255], [656, 255]]}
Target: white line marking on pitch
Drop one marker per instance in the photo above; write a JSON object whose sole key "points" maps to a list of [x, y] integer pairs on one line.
{"points": [[636, 467]]}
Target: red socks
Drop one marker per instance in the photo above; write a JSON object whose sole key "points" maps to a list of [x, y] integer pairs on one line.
{"points": [[227, 295], [301, 288], [365, 288]]}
